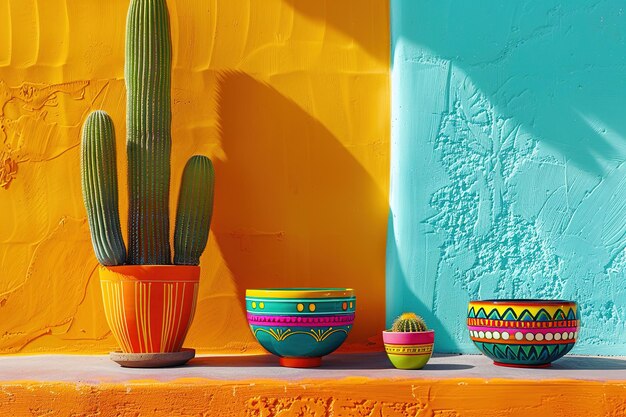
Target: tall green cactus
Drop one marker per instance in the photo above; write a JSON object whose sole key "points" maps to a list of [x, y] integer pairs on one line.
{"points": [[99, 182], [148, 145], [195, 207], [148, 136]]}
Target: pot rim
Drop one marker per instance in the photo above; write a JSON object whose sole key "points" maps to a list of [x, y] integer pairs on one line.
{"points": [[155, 273], [409, 338], [120, 268], [300, 292], [405, 333]]}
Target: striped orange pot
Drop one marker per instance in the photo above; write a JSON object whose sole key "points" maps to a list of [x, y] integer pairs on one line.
{"points": [[149, 308]]}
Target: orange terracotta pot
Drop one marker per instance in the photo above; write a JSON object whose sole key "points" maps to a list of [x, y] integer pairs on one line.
{"points": [[149, 308]]}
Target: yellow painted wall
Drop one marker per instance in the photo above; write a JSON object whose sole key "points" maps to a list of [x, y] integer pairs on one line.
{"points": [[289, 97]]}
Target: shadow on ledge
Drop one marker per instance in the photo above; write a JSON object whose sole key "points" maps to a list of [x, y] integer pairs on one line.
{"points": [[339, 361], [446, 367], [588, 363], [234, 361]]}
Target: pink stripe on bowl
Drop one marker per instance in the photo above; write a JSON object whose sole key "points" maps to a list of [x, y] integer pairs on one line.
{"points": [[312, 321], [409, 338]]}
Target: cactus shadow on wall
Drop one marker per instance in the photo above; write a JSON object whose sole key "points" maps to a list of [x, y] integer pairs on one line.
{"points": [[364, 21], [293, 207], [555, 68]]}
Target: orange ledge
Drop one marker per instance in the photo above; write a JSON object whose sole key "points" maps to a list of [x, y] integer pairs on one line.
{"points": [[329, 391]]}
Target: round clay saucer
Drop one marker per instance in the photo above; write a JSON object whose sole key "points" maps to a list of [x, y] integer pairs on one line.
{"points": [[153, 360]]}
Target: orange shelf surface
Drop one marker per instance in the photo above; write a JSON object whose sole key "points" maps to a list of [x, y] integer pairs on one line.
{"points": [[346, 385]]}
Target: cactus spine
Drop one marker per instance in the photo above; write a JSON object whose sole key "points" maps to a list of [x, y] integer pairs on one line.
{"points": [[195, 207], [148, 138], [148, 144], [409, 322], [99, 183]]}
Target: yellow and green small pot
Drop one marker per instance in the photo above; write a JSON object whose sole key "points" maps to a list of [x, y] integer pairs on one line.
{"points": [[409, 350]]}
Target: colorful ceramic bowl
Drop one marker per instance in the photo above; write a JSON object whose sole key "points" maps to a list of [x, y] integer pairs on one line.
{"points": [[300, 325], [409, 350], [523, 333]]}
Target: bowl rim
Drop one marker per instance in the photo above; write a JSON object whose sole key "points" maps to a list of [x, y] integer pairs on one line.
{"points": [[523, 301], [387, 331], [300, 292], [408, 338]]}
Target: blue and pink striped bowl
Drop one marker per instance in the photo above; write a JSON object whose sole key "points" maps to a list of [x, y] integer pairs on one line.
{"points": [[300, 325]]}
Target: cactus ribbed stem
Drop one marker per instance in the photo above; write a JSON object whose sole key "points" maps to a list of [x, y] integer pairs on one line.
{"points": [[148, 114], [195, 207], [99, 184], [409, 322]]}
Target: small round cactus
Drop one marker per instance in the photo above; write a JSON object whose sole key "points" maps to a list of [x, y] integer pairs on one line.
{"points": [[409, 322]]}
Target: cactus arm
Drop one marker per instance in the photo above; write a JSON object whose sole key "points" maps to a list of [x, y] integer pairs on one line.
{"points": [[148, 114], [194, 211], [99, 185]]}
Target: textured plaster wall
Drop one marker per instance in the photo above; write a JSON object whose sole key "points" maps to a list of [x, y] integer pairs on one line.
{"points": [[290, 99], [508, 161]]}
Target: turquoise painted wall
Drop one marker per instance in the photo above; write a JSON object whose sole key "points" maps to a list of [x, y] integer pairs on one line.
{"points": [[508, 161]]}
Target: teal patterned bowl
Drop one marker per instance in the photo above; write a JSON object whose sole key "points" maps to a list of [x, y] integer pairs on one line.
{"points": [[300, 325], [523, 333]]}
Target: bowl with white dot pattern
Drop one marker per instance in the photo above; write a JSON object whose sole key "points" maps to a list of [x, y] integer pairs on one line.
{"points": [[523, 332]]}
